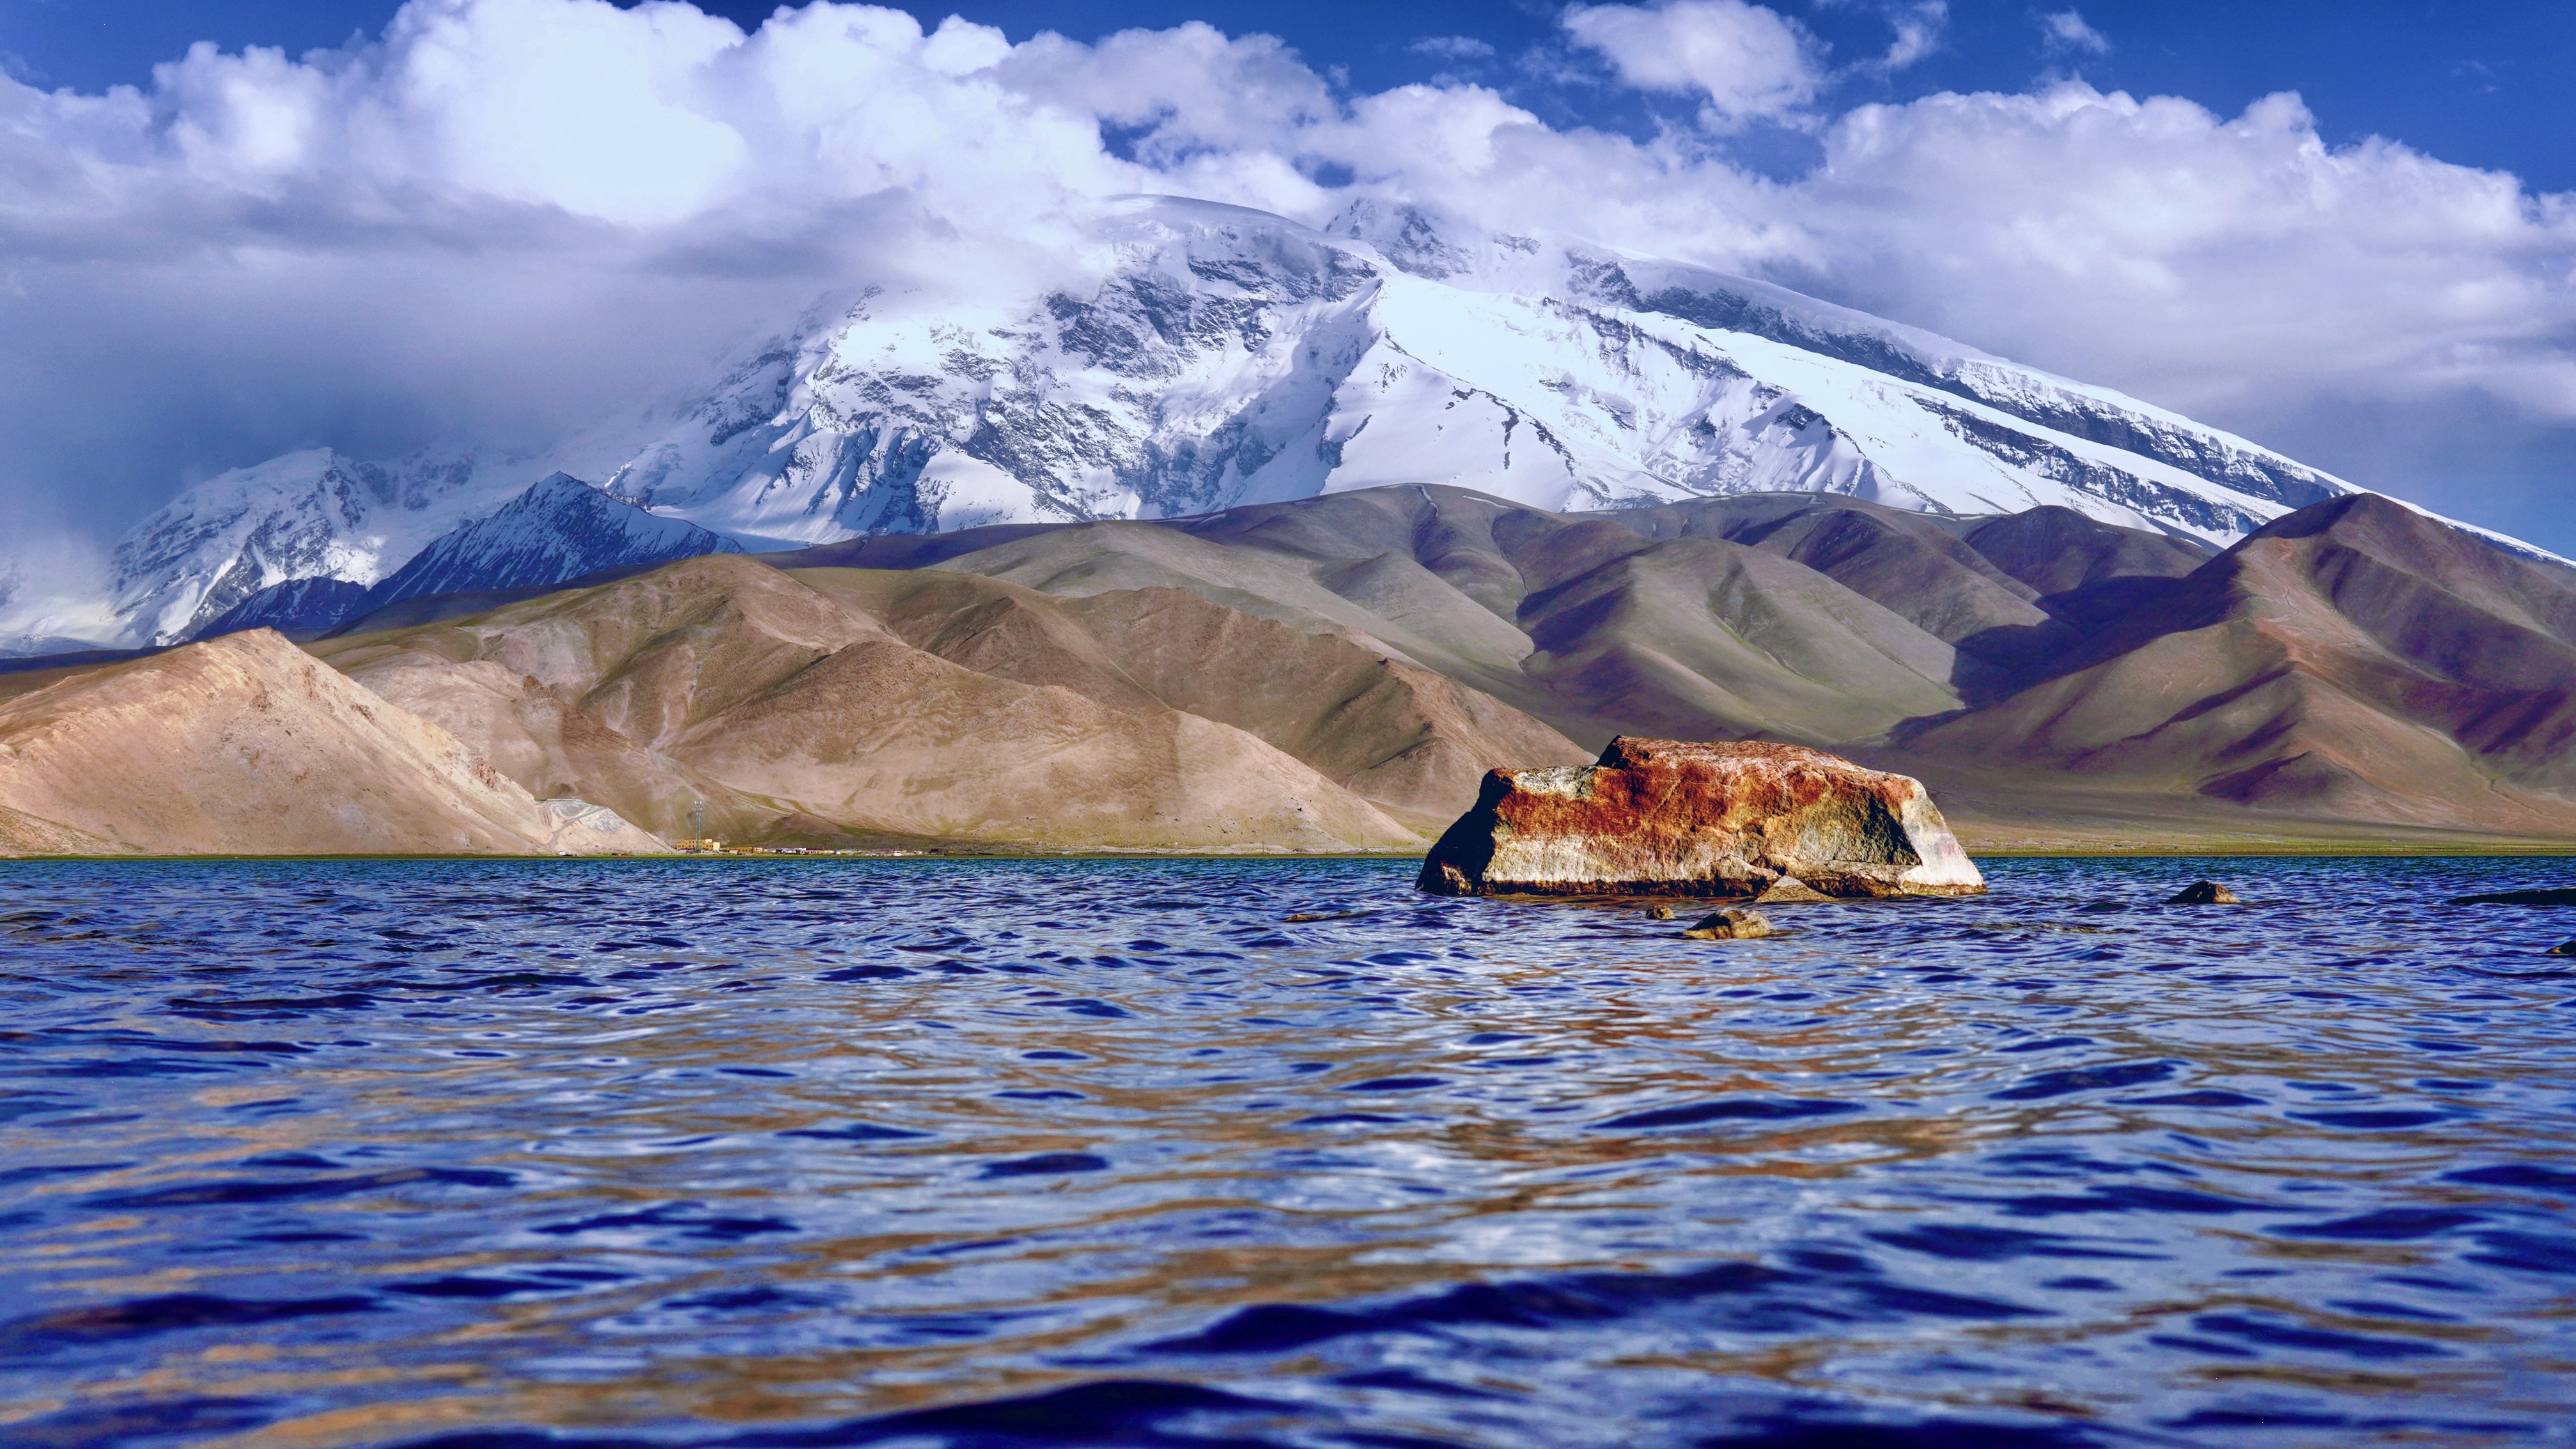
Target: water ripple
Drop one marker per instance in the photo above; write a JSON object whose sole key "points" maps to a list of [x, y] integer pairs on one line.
{"points": [[1274, 1153]]}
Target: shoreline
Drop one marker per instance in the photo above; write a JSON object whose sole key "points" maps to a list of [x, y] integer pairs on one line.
{"points": [[2159, 850]]}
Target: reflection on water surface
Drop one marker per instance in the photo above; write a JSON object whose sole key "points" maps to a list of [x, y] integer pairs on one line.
{"points": [[991, 1153]]}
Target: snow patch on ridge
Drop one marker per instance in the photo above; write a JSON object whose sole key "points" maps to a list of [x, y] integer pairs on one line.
{"points": [[313, 514], [557, 531], [1231, 357]]}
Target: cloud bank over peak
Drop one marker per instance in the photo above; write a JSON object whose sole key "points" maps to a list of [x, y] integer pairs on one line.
{"points": [[503, 217]]}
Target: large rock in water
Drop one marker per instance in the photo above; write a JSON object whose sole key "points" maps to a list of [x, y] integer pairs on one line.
{"points": [[1667, 817]]}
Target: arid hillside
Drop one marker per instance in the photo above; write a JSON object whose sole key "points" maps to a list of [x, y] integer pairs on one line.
{"points": [[2354, 673], [245, 745], [2354, 662], [1337, 673], [827, 706]]}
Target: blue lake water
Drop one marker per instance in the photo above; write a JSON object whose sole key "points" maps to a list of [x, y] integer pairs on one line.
{"points": [[1121, 1153]]}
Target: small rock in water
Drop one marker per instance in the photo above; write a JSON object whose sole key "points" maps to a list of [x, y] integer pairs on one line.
{"points": [[2204, 893], [1659, 913], [2518, 898], [2563, 948], [1732, 924], [1788, 890]]}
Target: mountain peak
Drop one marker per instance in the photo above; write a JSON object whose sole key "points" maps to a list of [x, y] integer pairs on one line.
{"points": [[1217, 356], [560, 529], [1414, 239]]}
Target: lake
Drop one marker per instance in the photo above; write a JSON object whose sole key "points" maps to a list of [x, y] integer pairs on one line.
{"points": [[1200, 1152]]}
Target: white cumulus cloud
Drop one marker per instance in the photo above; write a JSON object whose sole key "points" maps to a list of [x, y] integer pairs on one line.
{"points": [[1919, 27], [2234, 268], [1453, 47], [505, 216], [2065, 30], [1750, 62]]}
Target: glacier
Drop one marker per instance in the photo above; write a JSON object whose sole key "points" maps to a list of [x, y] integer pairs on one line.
{"points": [[557, 531], [1232, 357], [312, 514], [1218, 356]]}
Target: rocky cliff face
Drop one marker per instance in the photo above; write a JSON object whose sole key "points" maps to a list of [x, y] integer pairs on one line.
{"points": [[557, 531], [310, 515], [339, 539], [298, 608]]}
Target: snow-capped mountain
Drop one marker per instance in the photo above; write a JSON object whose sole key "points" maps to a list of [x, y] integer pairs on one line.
{"points": [[49, 600], [313, 514], [557, 531], [297, 608], [1221, 356], [1232, 357]]}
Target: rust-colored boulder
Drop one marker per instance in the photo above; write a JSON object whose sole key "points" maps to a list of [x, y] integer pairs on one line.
{"points": [[1667, 817]]}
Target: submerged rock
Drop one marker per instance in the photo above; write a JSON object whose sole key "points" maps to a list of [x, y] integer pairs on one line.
{"points": [[1659, 913], [1788, 890], [1668, 817], [1731, 924], [2563, 948], [2203, 893], [2554, 897]]}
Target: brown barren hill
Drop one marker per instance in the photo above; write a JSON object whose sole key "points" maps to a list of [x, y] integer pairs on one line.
{"points": [[1912, 564], [577, 692], [1412, 742], [1685, 619], [2354, 661], [246, 745], [1330, 672], [886, 737], [1701, 638], [793, 715]]}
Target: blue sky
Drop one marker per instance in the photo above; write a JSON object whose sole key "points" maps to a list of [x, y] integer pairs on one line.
{"points": [[514, 214], [2488, 85]]}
